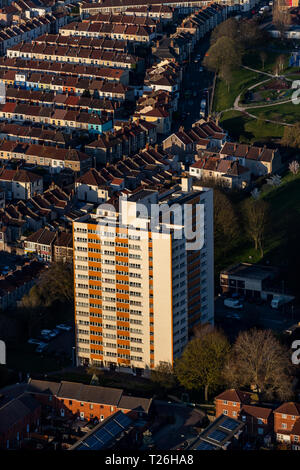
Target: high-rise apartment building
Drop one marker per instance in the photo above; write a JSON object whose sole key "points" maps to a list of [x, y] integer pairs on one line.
{"points": [[140, 287]]}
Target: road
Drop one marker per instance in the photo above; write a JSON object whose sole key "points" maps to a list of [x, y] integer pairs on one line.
{"points": [[195, 82]]}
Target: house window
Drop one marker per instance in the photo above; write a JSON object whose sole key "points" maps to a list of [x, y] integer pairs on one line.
{"points": [[234, 413], [283, 425], [296, 438], [225, 412], [70, 402], [111, 408], [234, 403], [260, 431], [101, 417], [225, 402], [283, 416], [81, 404], [260, 421], [91, 407]]}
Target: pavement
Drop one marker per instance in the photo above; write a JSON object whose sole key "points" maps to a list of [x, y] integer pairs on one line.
{"points": [[173, 436]]}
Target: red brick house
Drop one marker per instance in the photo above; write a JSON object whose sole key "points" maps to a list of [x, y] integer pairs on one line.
{"points": [[87, 401], [295, 435], [258, 420], [18, 417], [285, 418], [237, 404], [230, 402]]}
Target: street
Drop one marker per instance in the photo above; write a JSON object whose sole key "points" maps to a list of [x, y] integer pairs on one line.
{"points": [[193, 85]]}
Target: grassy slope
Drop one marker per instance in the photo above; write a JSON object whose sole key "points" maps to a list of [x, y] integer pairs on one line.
{"points": [[245, 129], [282, 241], [242, 79]]}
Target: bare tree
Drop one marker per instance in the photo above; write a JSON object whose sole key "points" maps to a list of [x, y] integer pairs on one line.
{"points": [[281, 17], [258, 360], [256, 220], [263, 57], [163, 375], [294, 167]]}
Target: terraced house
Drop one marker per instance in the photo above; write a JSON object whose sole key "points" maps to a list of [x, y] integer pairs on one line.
{"points": [[52, 158], [143, 34], [75, 55], [70, 120], [65, 72]]}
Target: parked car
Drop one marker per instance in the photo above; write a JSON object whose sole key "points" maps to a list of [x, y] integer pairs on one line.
{"points": [[45, 332], [64, 327], [33, 341], [234, 316], [233, 303], [41, 347], [277, 301]]}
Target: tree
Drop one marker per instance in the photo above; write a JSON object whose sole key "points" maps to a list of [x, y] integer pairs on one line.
{"points": [[228, 29], [263, 57], [57, 282], [258, 359], [250, 34], [223, 53], [226, 75], [255, 213], [294, 167], [279, 64], [281, 17], [226, 227], [163, 375], [202, 362], [291, 136]]}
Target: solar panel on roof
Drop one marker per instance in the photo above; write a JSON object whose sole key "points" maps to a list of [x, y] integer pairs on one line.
{"points": [[205, 446], [113, 428], [123, 420], [217, 435], [91, 441], [102, 435], [229, 424]]}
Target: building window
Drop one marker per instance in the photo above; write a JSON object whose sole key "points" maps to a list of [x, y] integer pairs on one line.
{"points": [[70, 402], [225, 402], [283, 425], [81, 404], [225, 412]]}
